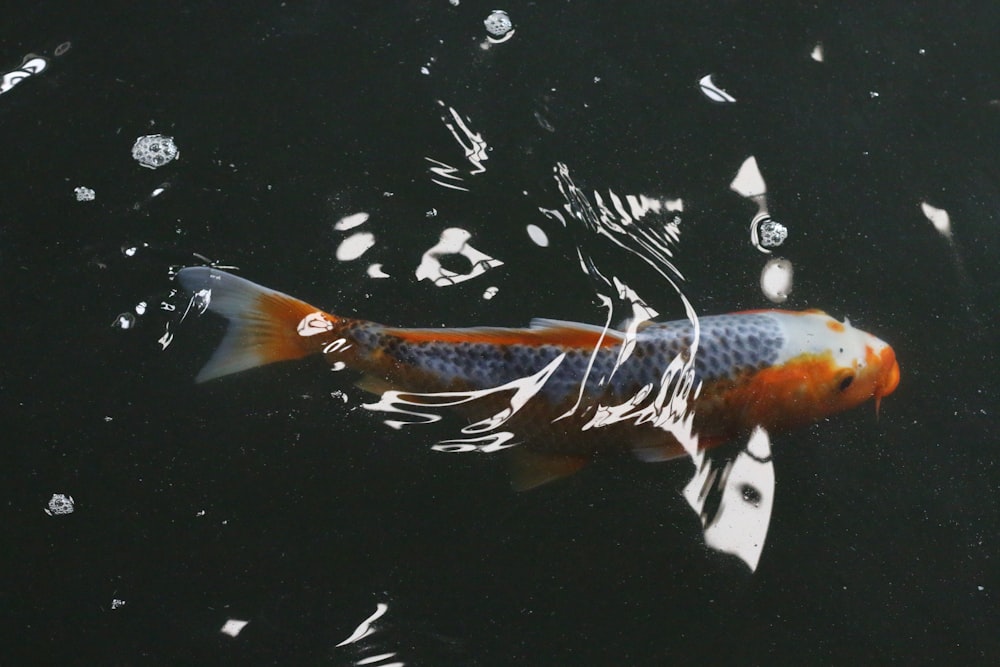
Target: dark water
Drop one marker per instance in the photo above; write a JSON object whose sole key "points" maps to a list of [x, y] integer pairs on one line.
{"points": [[261, 498]]}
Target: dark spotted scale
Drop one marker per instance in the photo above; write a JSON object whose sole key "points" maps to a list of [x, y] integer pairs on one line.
{"points": [[728, 345]]}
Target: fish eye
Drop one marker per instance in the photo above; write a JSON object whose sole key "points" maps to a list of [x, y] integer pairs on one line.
{"points": [[846, 381]]}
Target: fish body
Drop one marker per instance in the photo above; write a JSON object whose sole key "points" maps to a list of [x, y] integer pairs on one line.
{"points": [[770, 368]]}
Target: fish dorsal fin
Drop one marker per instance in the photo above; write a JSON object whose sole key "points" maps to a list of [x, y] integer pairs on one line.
{"points": [[549, 323], [576, 330], [529, 470], [541, 332]]}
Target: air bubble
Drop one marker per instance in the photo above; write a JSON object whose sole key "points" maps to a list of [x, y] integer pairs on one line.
{"points": [[60, 504], [499, 26], [132, 250], [124, 321], [767, 233], [154, 150]]}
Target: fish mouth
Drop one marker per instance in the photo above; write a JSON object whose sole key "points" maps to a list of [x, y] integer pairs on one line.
{"points": [[888, 377]]}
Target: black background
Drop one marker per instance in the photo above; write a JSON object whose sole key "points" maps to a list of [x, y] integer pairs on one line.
{"points": [[291, 115]]}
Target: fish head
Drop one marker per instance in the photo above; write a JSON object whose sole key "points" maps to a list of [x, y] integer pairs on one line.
{"points": [[861, 366], [825, 367]]}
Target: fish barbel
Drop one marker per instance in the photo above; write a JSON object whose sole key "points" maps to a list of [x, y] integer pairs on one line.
{"points": [[770, 368]]}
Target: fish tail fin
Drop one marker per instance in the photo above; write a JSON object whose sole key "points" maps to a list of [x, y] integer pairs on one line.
{"points": [[265, 326]]}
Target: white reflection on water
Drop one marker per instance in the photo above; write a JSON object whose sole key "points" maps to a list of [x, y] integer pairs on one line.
{"points": [[355, 245], [351, 221], [938, 217], [453, 241], [366, 629], [713, 92], [472, 144], [636, 224], [30, 66], [233, 627], [776, 280], [734, 498], [640, 230], [442, 170], [941, 220]]}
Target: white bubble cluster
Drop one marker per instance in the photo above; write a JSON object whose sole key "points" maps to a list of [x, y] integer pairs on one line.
{"points": [[498, 25], [154, 150], [84, 194], [772, 234], [767, 233], [60, 504]]}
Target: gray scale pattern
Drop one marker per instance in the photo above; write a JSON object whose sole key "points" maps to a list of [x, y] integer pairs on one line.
{"points": [[729, 344]]}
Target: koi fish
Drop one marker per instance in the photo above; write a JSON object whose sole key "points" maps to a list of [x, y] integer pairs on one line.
{"points": [[773, 369]]}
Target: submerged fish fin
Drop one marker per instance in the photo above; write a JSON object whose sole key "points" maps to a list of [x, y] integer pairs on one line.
{"points": [[529, 470], [374, 384], [658, 450], [658, 453], [263, 323]]}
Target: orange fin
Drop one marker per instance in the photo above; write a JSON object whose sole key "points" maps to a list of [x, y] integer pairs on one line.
{"points": [[263, 323], [529, 470]]}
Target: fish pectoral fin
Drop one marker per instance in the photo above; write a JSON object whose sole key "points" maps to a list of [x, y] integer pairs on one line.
{"points": [[669, 448], [655, 446], [373, 384], [658, 453], [529, 470]]}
